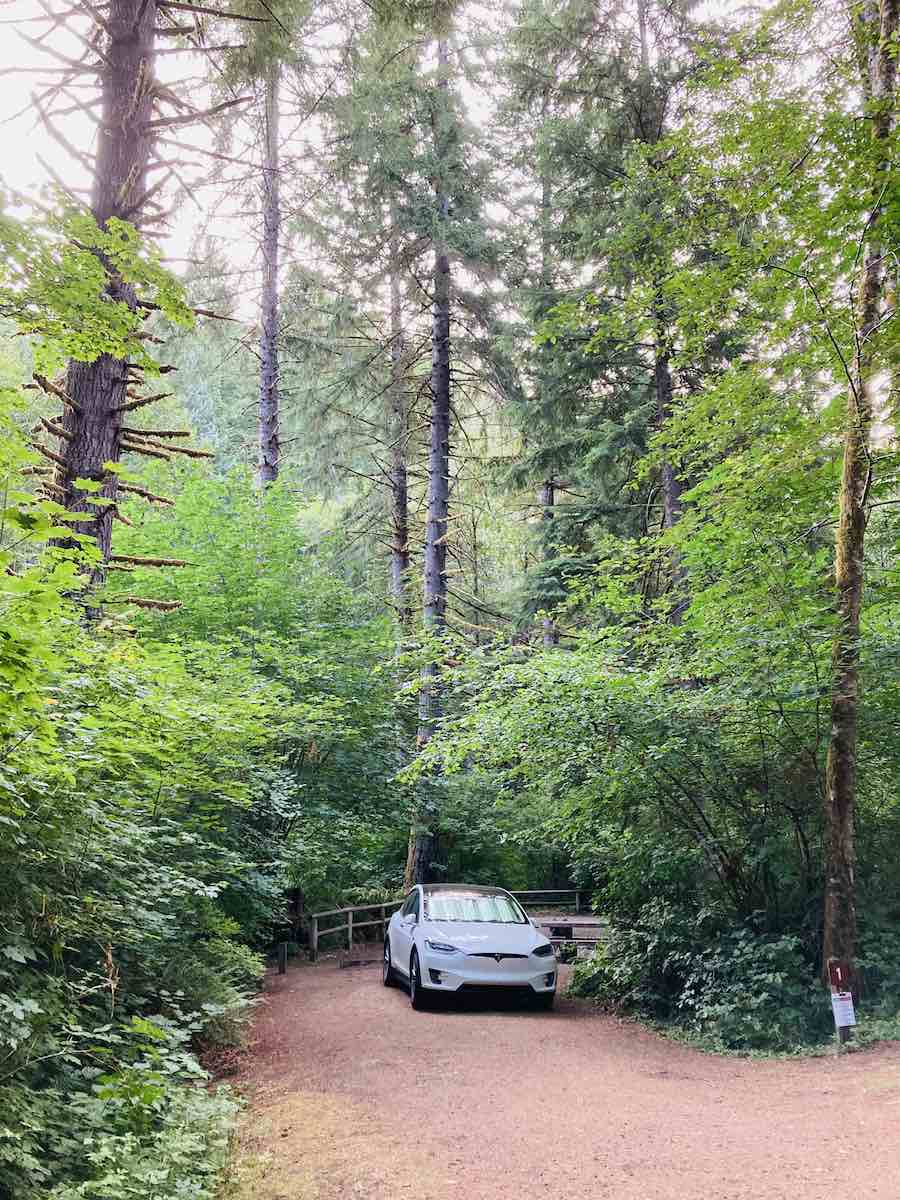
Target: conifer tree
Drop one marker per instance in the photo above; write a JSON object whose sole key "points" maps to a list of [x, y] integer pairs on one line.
{"points": [[94, 429]]}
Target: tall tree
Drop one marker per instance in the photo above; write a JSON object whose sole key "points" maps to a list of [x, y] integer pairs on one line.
{"points": [[93, 417], [875, 26], [269, 449], [95, 428], [423, 843]]}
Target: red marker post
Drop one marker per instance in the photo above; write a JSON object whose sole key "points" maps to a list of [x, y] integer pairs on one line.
{"points": [[840, 977]]}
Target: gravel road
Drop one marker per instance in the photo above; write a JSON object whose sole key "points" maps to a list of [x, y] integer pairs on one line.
{"points": [[353, 1096]]}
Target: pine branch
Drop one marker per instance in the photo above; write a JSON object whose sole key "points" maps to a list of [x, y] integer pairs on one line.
{"points": [[57, 458], [210, 12], [189, 451], [57, 430], [143, 602], [53, 390], [187, 118], [140, 561], [54, 492], [139, 491], [140, 402], [155, 433], [60, 138], [130, 448]]}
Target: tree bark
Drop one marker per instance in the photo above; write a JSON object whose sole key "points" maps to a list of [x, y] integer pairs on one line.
{"points": [[423, 843], [550, 634], [671, 485], [398, 427], [124, 149], [269, 449], [877, 27]]}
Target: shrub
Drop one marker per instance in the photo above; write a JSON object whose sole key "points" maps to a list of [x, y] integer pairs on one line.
{"points": [[727, 986]]}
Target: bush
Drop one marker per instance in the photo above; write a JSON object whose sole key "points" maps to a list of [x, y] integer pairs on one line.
{"points": [[145, 1127], [728, 987]]}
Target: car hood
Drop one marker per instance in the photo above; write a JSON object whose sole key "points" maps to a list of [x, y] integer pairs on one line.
{"points": [[484, 937]]}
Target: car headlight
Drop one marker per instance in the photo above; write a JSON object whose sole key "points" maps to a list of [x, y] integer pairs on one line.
{"points": [[543, 951], [441, 947]]}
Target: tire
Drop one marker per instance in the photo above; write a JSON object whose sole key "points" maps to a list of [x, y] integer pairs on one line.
{"points": [[543, 1001], [418, 996], [388, 978]]}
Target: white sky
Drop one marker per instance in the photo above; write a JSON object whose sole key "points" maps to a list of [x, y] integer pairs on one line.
{"points": [[31, 155]]}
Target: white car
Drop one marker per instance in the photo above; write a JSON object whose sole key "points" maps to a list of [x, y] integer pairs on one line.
{"points": [[447, 937]]}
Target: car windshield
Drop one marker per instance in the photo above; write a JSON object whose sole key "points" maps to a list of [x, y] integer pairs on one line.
{"points": [[473, 906]]}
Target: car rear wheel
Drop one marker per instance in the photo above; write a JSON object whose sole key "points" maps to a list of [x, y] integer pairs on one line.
{"points": [[387, 970], [418, 997]]}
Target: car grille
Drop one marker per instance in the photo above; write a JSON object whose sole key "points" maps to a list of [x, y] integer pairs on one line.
{"points": [[497, 957]]}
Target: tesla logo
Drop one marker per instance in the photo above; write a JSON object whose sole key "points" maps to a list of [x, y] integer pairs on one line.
{"points": [[497, 957]]}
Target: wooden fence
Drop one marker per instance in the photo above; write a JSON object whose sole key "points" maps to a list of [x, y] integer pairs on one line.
{"points": [[349, 921]]}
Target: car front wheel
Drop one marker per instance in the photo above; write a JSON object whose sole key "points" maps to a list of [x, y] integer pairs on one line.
{"points": [[543, 1000], [418, 997], [387, 969]]}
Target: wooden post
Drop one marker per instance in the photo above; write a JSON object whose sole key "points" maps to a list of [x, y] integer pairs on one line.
{"points": [[578, 902], [349, 930], [383, 922], [313, 939], [282, 957]]}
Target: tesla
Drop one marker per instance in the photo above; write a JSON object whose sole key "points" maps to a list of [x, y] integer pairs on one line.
{"points": [[451, 937]]}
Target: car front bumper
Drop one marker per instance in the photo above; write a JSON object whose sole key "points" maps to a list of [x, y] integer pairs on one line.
{"points": [[450, 972]]}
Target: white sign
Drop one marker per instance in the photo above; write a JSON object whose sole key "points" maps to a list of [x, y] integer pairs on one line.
{"points": [[842, 1007]]}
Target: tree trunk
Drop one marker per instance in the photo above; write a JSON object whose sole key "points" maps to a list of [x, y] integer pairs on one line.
{"points": [[547, 500], [269, 449], [878, 26], [423, 844], [124, 147], [671, 485], [398, 427]]}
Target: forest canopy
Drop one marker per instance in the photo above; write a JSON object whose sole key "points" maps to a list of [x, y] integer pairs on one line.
{"points": [[438, 442]]}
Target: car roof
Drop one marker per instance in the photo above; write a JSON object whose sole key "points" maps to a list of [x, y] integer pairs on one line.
{"points": [[436, 888]]}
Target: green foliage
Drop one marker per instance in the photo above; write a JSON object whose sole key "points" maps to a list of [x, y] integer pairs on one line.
{"points": [[730, 988], [58, 282]]}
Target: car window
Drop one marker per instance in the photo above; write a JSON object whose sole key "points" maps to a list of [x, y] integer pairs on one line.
{"points": [[414, 907], [463, 905], [411, 905]]}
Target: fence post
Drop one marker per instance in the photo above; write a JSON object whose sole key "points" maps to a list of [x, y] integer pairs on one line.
{"points": [[578, 902], [349, 930], [282, 957], [383, 922], [313, 938]]}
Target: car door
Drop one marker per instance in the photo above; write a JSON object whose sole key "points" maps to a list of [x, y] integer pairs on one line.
{"points": [[402, 939]]}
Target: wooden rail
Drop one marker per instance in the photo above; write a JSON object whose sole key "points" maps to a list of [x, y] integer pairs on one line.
{"points": [[350, 923], [553, 898]]}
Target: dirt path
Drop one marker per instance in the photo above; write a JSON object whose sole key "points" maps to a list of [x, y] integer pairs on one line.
{"points": [[353, 1096]]}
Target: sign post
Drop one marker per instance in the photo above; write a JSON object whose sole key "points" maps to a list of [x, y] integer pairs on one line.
{"points": [[840, 975]]}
